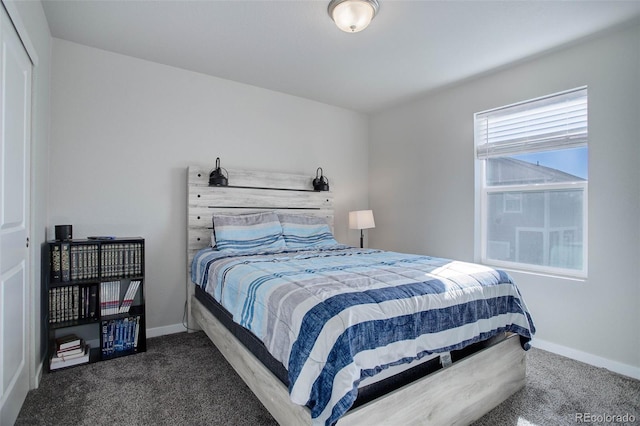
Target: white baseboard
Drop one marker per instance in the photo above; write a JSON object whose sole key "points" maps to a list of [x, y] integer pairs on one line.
{"points": [[38, 375], [167, 329], [587, 358]]}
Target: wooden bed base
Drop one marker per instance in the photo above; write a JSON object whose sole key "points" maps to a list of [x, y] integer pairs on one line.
{"points": [[455, 395]]}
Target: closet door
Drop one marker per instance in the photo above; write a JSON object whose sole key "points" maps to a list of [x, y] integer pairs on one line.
{"points": [[15, 116]]}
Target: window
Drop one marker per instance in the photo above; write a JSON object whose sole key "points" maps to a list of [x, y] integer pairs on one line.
{"points": [[531, 180]]}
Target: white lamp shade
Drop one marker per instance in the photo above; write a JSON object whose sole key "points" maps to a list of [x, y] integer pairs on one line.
{"points": [[353, 15], [361, 219]]}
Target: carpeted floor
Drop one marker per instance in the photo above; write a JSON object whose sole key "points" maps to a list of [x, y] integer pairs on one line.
{"points": [[183, 380]]}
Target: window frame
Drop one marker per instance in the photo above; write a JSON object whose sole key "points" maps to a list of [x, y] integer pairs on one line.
{"points": [[483, 191]]}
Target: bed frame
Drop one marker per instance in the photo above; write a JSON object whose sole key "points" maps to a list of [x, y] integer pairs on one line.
{"points": [[455, 395]]}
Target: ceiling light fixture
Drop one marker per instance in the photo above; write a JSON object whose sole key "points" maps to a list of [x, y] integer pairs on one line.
{"points": [[352, 16]]}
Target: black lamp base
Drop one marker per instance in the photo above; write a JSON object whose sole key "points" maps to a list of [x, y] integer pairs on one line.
{"points": [[361, 238]]}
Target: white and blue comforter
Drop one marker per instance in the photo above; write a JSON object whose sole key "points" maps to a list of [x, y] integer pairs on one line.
{"points": [[335, 316]]}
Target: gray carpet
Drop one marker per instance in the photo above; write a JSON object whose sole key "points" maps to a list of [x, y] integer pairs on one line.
{"points": [[183, 380]]}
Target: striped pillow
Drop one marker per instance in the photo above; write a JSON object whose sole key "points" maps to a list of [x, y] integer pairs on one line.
{"points": [[248, 232], [301, 232]]}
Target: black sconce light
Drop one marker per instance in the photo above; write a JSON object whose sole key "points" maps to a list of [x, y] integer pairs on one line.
{"points": [[320, 183], [216, 177]]}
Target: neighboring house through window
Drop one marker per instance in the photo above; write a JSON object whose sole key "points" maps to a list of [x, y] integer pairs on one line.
{"points": [[531, 180]]}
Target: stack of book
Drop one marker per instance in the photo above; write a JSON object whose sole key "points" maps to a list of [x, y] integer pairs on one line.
{"points": [[110, 297], [70, 350]]}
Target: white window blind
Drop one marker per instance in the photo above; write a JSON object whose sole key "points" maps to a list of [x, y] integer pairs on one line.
{"points": [[531, 184], [552, 122]]}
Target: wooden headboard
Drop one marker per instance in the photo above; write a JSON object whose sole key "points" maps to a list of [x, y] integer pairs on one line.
{"points": [[248, 191]]}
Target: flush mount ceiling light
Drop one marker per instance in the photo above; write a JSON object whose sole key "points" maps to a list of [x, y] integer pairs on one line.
{"points": [[352, 16]]}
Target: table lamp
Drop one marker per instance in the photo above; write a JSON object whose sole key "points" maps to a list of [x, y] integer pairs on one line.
{"points": [[361, 219]]}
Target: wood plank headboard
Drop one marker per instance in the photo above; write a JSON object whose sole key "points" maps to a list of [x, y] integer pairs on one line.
{"points": [[248, 191]]}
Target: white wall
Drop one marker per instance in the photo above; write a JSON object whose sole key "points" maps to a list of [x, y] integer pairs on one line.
{"points": [[422, 189], [33, 25], [124, 130]]}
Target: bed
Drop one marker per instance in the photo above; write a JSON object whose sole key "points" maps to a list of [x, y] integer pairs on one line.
{"points": [[458, 381]]}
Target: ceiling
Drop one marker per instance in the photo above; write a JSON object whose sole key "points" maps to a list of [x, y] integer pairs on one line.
{"points": [[410, 48]]}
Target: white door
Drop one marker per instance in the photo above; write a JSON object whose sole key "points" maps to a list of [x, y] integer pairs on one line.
{"points": [[15, 116]]}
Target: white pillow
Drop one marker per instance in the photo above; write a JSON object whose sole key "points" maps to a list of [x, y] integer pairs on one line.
{"points": [[301, 231], [247, 232]]}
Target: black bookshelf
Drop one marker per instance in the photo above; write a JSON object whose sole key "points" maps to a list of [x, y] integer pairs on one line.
{"points": [[93, 289]]}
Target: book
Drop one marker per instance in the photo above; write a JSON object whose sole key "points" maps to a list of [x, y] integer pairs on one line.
{"points": [[84, 308], [76, 303], [53, 315], [68, 341], [65, 357], [60, 362], [64, 302], [52, 305], [65, 261], [74, 258], [115, 301], [72, 351], [55, 262], [93, 301]]}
